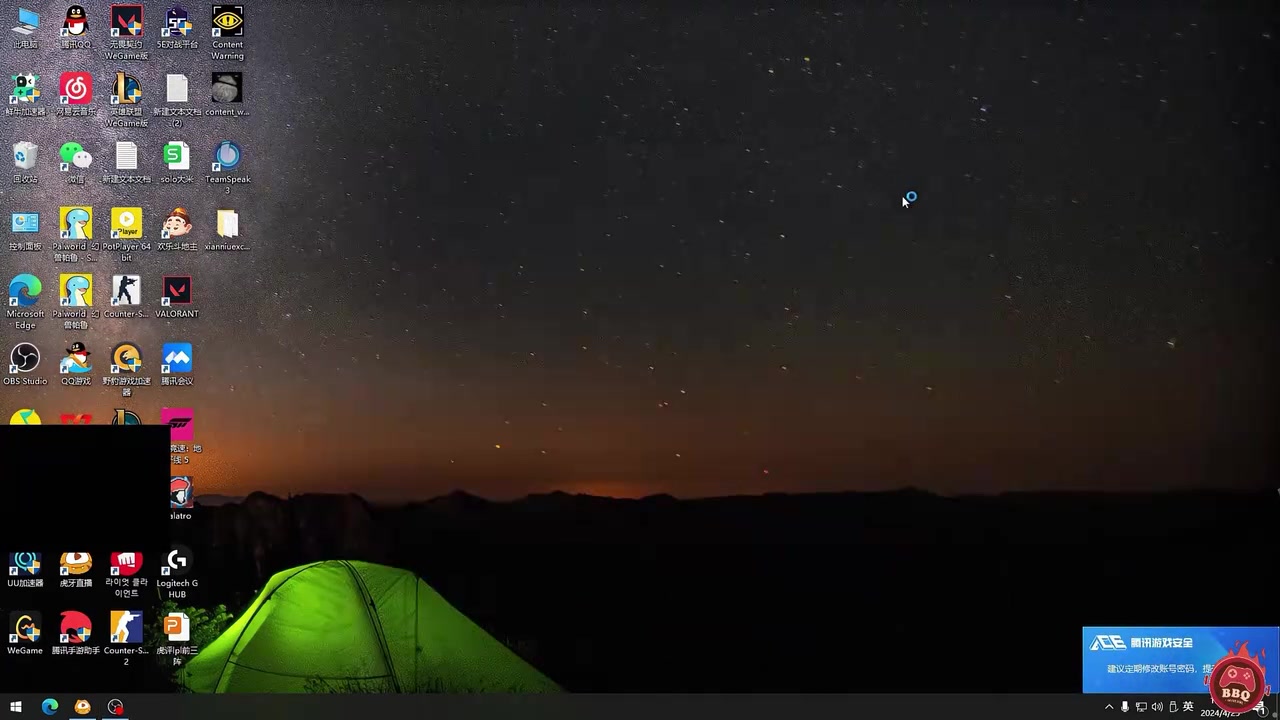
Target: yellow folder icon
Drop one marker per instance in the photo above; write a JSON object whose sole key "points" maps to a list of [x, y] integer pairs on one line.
{"points": [[228, 224]]}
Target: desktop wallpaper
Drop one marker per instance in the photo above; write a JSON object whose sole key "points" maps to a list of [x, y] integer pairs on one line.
{"points": [[673, 345], [626, 250]]}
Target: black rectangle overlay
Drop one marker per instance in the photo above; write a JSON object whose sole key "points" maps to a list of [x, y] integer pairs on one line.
{"points": [[88, 490]]}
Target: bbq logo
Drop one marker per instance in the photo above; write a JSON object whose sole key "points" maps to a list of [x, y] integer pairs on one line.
{"points": [[1238, 681]]}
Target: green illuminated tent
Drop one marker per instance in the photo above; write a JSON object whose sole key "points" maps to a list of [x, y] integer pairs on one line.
{"points": [[339, 626]]}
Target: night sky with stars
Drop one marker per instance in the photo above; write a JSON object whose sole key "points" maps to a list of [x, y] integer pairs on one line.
{"points": [[629, 249]]}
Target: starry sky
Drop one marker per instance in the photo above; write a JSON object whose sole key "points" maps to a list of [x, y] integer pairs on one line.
{"points": [[627, 250]]}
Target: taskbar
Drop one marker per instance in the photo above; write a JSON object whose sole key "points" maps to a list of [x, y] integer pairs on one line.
{"points": [[628, 706]]}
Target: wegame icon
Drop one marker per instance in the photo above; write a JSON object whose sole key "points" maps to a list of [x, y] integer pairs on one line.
{"points": [[24, 626], [1238, 683]]}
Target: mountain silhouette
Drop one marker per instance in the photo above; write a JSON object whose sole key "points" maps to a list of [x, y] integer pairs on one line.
{"points": [[758, 593]]}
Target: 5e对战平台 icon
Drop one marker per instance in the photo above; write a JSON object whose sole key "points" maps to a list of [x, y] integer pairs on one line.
{"points": [[177, 23]]}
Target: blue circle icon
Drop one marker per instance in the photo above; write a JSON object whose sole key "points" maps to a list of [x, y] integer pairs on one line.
{"points": [[24, 289], [911, 196], [49, 706], [226, 155]]}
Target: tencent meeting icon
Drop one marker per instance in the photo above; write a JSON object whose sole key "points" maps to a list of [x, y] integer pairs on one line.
{"points": [[177, 358]]}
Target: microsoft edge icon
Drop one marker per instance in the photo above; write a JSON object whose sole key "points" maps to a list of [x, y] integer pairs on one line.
{"points": [[49, 706]]}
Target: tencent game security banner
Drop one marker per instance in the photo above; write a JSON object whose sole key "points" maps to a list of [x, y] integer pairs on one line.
{"points": [[1139, 660]]}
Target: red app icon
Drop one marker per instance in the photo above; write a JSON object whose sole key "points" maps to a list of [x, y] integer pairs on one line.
{"points": [[75, 88], [124, 564], [76, 627]]}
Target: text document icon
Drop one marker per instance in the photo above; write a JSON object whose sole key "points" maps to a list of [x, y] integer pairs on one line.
{"points": [[126, 155], [228, 223], [175, 87]]}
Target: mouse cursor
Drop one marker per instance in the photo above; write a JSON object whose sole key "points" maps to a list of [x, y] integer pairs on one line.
{"points": [[905, 203]]}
